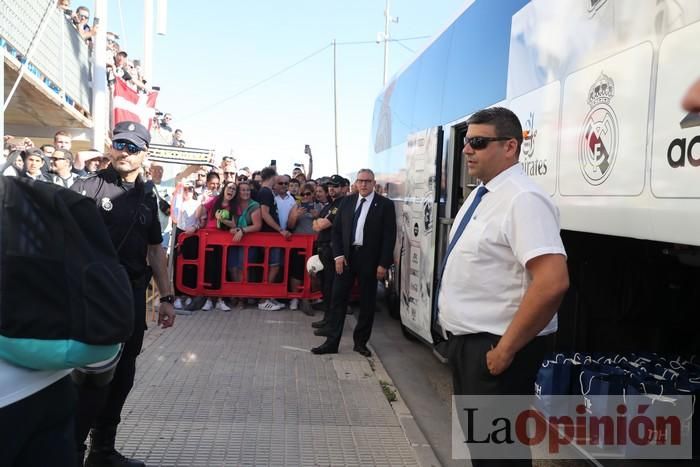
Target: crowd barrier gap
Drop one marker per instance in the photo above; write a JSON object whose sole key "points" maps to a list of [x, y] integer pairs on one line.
{"points": [[209, 263]]}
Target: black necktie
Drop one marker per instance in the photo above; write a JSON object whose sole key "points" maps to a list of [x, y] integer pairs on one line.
{"points": [[356, 218]]}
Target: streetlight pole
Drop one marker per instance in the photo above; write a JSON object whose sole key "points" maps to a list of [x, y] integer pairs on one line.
{"points": [[385, 37], [335, 107], [148, 41], [386, 40]]}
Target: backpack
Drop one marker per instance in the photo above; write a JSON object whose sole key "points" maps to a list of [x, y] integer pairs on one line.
{"points": [[65, 301]]}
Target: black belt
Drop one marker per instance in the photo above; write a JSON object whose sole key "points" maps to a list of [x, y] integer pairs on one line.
{"points": [[356, 247]]}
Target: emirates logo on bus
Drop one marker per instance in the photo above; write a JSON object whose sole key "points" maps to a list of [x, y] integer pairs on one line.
{"points": [[599, 136], [533, 166]]}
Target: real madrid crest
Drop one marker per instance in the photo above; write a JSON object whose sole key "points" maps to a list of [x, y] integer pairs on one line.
{"points": [[599, 136], [106, 204]]}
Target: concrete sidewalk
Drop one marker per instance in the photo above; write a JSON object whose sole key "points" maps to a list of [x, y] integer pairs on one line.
{"points": [[242, 388]]}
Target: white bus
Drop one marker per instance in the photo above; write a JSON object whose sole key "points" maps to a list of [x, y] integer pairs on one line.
{"points": [[597, 85]]}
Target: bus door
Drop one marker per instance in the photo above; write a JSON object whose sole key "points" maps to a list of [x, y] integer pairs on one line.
{"points": [[417, 230], [455, 185]]}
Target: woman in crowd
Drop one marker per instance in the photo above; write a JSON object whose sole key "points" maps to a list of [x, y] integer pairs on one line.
{"points": [[216, 213], [14, 166], [300, 222], [321, 194], [185, 213], [248, 220]]}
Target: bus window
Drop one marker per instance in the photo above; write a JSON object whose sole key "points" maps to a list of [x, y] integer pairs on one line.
{"points": [[462, 182]]}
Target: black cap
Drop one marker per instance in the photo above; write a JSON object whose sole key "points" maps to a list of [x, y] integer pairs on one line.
{"points": [[133, 132], [336, 180], [345, 182]]}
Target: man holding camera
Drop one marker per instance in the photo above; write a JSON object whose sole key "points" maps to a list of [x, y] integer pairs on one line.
{"points": [[130, 211]]}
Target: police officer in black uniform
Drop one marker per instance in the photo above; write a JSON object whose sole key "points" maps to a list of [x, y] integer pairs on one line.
{"points": [[130, 211], [323, 225]]}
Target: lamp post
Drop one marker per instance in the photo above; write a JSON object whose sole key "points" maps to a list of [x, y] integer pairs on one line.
{"points": [[385, 37]]}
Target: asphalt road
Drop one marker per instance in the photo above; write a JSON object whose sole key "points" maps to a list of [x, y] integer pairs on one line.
{"points": [[424, 383]]}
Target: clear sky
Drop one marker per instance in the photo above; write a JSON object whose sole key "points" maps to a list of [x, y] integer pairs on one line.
{"points": [[213, 50]]}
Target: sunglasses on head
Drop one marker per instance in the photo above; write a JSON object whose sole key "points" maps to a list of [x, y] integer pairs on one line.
{"points": [[130, 147], [480, 142]]}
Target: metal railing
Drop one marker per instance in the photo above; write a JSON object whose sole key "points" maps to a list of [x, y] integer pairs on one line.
{"points": [[60, 58]]}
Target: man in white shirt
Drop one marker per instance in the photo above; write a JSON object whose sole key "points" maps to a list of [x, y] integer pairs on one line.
{"points": [[284, 201], [504, 273]]}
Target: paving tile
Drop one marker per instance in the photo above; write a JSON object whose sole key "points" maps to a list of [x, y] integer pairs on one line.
{"points": [[242, 389]]}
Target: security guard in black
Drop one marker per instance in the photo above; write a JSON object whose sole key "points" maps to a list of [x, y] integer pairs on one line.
{"points": [[323, 242], [130, 212], [129, 209]]}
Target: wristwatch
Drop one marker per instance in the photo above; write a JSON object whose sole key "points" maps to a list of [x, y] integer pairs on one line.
{"points": [[167, 299]]}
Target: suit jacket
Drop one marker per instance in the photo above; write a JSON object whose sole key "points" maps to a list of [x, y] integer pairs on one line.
{"points": [[379, 233]]}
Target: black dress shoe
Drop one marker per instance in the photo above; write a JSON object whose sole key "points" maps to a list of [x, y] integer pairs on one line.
{"points": [[322, 332], [319, 324], [324, 349], [362, 350]]}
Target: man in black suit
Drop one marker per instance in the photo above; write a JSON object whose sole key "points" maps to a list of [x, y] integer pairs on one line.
{"points": [[364, 233]]}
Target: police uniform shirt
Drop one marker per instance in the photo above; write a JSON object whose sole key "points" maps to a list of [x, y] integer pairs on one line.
{"points": [[485, 278], [122, 205], [328, 211]]}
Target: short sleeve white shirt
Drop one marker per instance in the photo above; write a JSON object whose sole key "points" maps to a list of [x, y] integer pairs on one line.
{"points": [[284, 207], [485, 277], [186, 214]]}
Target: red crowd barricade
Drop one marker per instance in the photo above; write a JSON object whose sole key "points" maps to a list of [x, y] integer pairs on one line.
{"points": [[210, 263]]}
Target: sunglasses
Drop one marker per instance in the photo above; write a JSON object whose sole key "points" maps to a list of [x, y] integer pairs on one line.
{"points": [[307, 193], [480, 142], [54, 159], [84, 16], [283, 183], [131, 148]]}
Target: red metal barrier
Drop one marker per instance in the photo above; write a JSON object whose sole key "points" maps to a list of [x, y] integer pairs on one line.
{"points": [[203, 267]]}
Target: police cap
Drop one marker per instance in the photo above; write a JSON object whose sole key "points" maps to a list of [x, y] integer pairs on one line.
{"points": [[133, 132]]}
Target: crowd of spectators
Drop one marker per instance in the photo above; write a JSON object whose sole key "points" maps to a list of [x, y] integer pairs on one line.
{"points": [[118, 65], [54, 163], [243, 202]]}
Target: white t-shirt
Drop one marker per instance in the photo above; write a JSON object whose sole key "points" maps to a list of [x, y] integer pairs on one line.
{"points": [[284, 207], [17, 383], [186, 214], [485, 277]]}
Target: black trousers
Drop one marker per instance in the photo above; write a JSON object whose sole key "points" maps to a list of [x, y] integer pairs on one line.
{"points": [[342, 286], [101, 407], [470, 376], [38, 430], [325, 254]]}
